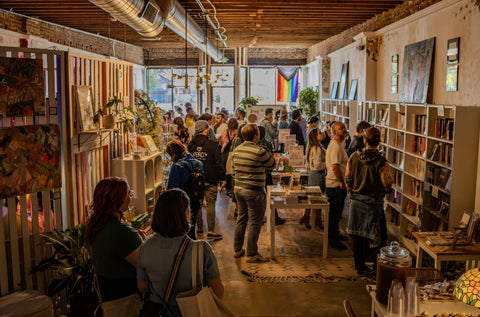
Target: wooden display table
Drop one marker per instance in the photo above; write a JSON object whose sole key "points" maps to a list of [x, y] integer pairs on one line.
{"points": [[272, 204], [469, 253], [431, 307]]}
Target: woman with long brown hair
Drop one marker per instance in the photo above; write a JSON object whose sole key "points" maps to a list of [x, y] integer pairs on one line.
{"points": [[114, 244], [182, 131], [316, 169]]}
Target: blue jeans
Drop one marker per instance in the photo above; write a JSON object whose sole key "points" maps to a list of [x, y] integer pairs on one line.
{"points": [[336, 199], [251, 210]]}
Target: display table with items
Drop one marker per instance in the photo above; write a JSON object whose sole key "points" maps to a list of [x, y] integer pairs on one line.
{"points": [[287, 197], [438, 246], [427, 308]]}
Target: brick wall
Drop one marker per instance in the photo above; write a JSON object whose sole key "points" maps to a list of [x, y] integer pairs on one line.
{"points": [[340, 40], [72, 38]]}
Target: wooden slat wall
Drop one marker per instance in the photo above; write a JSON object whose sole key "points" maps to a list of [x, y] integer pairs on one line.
{"points": [[91, 154], [19, 232]]}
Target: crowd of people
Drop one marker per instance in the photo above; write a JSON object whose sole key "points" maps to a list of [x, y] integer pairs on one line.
{"points": [[236, 155]]}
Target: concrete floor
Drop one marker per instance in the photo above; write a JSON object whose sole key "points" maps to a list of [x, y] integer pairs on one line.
{"points": [[287, 299]]}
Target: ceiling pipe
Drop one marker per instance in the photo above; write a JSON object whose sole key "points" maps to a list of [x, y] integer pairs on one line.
{"points": [[148, 17]]}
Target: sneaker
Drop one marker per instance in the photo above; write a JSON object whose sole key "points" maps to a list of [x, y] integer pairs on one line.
{"points": [[239, 254], [215, 236], [257, 259], [337, 245]]}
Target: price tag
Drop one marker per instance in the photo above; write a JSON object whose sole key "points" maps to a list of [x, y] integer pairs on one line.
{"points": [[369, 105], [441, 111], [397, 107], [335, 109], [434, 192]]}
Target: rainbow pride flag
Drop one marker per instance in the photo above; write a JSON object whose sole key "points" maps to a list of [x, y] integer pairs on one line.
{"points": [[287, 87]]}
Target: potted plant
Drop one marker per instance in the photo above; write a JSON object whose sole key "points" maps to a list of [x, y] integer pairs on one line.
{"points": [[111, 114], [308, 99], [248, 101], [74, 269]]}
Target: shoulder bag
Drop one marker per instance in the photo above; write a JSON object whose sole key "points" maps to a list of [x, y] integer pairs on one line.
{"points": [[201, 301]]}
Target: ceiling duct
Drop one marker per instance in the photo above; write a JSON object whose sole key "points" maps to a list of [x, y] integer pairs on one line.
{"points": [[148, 17]]}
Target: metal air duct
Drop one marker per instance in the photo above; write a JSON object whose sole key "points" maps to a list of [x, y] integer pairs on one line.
{"points": [[148, 17]]}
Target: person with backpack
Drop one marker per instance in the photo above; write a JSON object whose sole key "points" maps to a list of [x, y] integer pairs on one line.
{"points": [[187, 174], [208, 152]]}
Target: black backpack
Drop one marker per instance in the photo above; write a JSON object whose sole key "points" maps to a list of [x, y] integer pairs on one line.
{"points": [[196, 181]]}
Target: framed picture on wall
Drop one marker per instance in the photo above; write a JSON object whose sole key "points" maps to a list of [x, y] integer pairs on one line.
{"points": [[84, 103], [395, 64], [333, 95], [453, 50], [352, 95], [342, 94], [394, 84], [452, 78]]}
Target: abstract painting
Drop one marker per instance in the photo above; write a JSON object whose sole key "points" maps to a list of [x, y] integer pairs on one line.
{"points": [[29, 159], [417, 66], [342, 93], [22, 92]]}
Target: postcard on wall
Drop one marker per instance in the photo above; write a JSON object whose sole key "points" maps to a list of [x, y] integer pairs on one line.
{"points": [[30, 158], [84, 99], [282, 133], [22, 91]]}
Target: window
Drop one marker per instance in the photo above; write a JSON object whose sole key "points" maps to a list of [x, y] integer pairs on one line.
{"points": [[262, 85], [243, 83], [223, 87], [158, 86]]}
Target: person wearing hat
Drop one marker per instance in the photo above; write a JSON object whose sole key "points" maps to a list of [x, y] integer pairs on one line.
{"points": [[283, 121], [368, 178], [208, 152]]}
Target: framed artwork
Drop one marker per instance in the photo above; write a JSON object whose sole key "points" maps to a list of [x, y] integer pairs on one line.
{"points": [[22, 91], [333, 95], [395, 64], [84, 100], [417, 66], [30, 159], [394, 84], [453, 50], [342, 94], [352, 95], [452, 78]]}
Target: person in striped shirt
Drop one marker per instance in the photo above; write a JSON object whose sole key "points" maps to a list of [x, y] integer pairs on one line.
{"points": [[248, 167]]}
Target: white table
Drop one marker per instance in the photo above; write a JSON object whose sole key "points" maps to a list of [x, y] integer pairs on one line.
{"points": [[272, 205], [431, 307], [468, 253]]}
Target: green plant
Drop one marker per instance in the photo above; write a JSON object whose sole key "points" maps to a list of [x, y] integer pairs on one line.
{"points": [[308, 99], [248, 101], [111, 108], [71, 261], [149, 116]]}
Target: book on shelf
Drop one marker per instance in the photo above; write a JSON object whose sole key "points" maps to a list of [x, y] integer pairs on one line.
{"points": [[418, 145], [398, 140], [411, 228], [394, 197], [385, 116], [444, 128], [416, 188], [400, 120], [383, 135], [419, 123], [370, 115], [439, 176], [397, 178], [442, 153], [410, 208]]}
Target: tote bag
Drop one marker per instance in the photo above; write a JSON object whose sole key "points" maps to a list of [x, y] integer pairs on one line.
{"points": [[201, 301], [128, 306]]}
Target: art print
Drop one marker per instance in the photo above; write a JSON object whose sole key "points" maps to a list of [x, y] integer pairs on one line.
{"points": [[452, 78], [85, 107], [29, 159], [342, 94], [417, 66], [352, 95], [453, 50], [334, 90], [22, 91]]}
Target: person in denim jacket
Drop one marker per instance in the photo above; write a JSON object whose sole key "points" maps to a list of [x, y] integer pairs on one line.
{"points": [[367, 179]]}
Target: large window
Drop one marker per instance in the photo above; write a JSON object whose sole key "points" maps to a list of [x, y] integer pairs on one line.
{"points": [[243, 83], [262, 85], [171, 92], [223, 87]]}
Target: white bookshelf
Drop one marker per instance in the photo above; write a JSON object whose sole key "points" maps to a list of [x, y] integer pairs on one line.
{"points": [[410, 135], [145, 176], [340, 110]]}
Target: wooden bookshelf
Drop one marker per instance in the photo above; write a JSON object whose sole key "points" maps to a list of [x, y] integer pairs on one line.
{"points": [[432, 161], [340, 110]]}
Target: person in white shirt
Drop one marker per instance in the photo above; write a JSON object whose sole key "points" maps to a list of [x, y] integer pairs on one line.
{"points": [[336, 162], [220, 125]]}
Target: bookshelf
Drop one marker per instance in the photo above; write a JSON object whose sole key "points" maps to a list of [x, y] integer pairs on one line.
{"points": [[340, 110], [432, 163], [145, 176]]}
